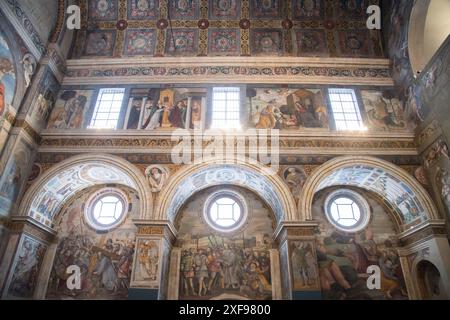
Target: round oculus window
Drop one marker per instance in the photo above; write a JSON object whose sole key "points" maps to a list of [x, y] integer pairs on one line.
{"points": [[347, 210], [225, 211], [106, 209]]}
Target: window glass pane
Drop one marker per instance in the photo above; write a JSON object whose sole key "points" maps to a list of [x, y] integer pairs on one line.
{"points": [[107, 110], [345, 109], [226, 107], [107, 97]]}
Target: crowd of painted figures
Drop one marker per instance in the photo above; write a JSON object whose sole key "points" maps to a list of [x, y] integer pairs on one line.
{"points": [[226, 269], [105, 268], [343, 263]]}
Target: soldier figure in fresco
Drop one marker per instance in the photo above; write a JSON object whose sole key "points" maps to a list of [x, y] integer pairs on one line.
{"points": [[187, 270]]}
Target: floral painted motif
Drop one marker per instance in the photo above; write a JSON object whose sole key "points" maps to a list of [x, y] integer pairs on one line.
{"points": [[140, 42]]}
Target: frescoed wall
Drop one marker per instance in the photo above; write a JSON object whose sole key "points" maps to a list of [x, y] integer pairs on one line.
{"points": [[304, 266], [395, 193], [282, 108], [105, 258], [27, 264], [384, 111], [343, 258], [7, 76], [214, 264], [151, 109], [397, 43], [286, 109], [14, 176], [67, 183], [70, 110]]}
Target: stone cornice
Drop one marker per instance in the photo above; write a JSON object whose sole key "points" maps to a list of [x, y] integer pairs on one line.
{"points": [[269, 70], [156, 228], [295, 229], [20, 123], [9, 117], [301, 143], [422, 232], [31, 227], [55, 61]]}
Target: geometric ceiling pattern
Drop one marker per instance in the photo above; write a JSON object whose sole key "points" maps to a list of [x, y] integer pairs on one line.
{"points": [[395, 193], [156, 28]]}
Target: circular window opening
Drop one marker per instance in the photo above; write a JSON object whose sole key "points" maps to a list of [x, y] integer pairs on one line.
{"points": [[347, 210], [225, 211], [106, 209]]}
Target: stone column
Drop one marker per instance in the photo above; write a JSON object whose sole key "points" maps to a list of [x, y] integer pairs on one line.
{"points": [[188, 114], [149, 278], [174, 275], [426, 242], [298, 261], [26, 237], [277, 292], [4, 233]]}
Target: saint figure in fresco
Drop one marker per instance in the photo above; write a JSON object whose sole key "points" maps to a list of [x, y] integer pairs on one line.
{"points": [[157, 178], [267, 119], [196, 115]]}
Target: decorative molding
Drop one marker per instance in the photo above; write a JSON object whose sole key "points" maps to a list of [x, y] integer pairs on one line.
{"points": [[9, 117], [151, 230], [280, 70], [32, 228], [286, 230], [288, 145], [423, 232], [156, 228], [24, 27], [20, 123], [48, 159], [4, 221], [54, 36], [56, 63]]}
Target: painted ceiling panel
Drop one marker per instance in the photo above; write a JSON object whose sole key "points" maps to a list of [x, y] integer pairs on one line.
{"points": [[319, 28]]}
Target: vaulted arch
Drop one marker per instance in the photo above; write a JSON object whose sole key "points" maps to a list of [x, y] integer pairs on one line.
{"points": [[400, 191], [55, 187], [428, 28], [197, 177]]}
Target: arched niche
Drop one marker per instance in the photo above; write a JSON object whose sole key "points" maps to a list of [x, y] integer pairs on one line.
{"points": [[213, 172], [246, 251], [429, 281], [429, 27], [354, 250], [55, 187], [400, 191]]}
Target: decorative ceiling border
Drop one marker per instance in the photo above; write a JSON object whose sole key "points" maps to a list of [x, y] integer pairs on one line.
{"points": [[280, 70], [23, 26]]}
